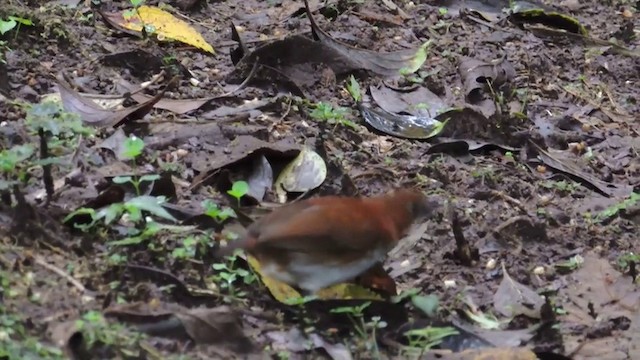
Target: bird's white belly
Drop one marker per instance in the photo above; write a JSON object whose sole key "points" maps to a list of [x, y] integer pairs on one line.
{"points": [[313, 276]]}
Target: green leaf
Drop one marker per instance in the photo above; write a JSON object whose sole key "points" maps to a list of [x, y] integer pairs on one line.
{"points": [[616, 208], [132, 148], [239, 189], [111, 213], [219, 266], [226, 213], [121, 179], [354, 89], [419, 58], [22, 21], [427, 304], [134, 240], [9, 159], [81, 211], [7, 25], [151, 204], [150, 177]]}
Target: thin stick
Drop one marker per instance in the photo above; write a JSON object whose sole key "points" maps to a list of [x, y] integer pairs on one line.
{"points": [[40, 261]]}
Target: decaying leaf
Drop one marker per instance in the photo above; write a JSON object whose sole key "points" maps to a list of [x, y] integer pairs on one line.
{"points": [[403, 126], [295, 341], [306, 172], [157, 21], [484, 354], [94, 115], [298, 58], [219, 325], [513, 299]]}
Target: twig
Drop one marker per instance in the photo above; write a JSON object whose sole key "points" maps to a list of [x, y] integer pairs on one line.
{"points": [[47, 178], [246, 81], [463, 251], [508, 199], [40, 261]]}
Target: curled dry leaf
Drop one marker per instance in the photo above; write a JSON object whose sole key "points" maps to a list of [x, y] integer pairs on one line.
{"points": [[306, 172], [94, 115], [513, 299]]}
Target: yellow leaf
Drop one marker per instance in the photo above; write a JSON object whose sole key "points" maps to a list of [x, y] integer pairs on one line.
{"points": [[282, 292], [164, 25]]}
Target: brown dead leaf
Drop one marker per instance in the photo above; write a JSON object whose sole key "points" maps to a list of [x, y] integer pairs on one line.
{"points": [[513, 299], [94, 115], [483, 354]]}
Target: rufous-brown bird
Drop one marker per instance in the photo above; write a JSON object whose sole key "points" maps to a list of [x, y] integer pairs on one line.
{"points": [[320, 242]]}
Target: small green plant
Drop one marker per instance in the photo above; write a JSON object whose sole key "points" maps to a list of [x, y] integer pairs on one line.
{"points": [[613, 210], [228, 273], [485, 174], [135, 4], [59, 131], [131, 210], [97, 331], [15, 343], [15, 340], [335, 116], [562, 186], [509, 156], [354, 89], [238, 190], [428, 337], [13, 22], [365, 330], [626, 259], [570, 265], [212, 210]]}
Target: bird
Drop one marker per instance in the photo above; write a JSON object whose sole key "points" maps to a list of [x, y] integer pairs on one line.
{"points": [[320, 242]]}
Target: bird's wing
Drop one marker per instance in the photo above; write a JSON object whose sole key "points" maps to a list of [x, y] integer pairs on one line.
{"points": [[338, 227]]}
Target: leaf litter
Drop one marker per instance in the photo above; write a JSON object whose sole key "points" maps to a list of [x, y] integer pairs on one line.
{"points": [[537, 153]]}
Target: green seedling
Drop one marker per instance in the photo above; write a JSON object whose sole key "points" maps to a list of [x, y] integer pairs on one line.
{"points": [[570, 265], [335, 116], [615, 209], [509, 156], [626, 259], [132, 208], [13, 22], [428, 337], [364, 330], [228, 273], [96, 331], [192, 245], [354, 89], [562, 186], [131, 148], [238, 190], [218, 214], [134, 10]]}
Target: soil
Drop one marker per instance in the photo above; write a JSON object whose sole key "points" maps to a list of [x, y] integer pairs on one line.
{"points": [[543, 180]]}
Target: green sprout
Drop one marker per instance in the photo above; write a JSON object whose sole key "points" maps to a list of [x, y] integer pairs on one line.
{"points": [[239, 189]]}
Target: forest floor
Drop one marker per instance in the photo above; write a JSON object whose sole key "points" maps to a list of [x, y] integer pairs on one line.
{"points": [[524, 123]]}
